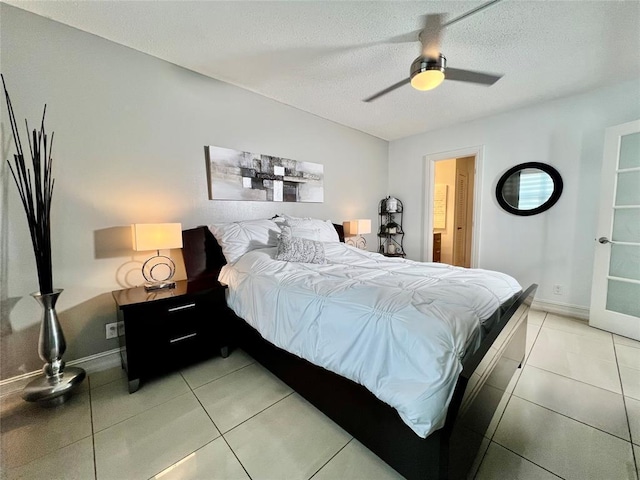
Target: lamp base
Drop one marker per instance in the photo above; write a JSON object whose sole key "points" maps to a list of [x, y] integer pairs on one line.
{"points": [[52, 391], [159, 286], [358, 242]]}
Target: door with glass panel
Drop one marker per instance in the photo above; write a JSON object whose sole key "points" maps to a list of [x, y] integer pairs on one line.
{"points": [[615, 295]]}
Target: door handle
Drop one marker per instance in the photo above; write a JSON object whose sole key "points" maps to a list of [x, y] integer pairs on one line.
{"points": [[605, 240]]}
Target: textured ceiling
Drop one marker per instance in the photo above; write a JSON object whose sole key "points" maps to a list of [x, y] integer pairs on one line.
{"points": [[324, 57]]}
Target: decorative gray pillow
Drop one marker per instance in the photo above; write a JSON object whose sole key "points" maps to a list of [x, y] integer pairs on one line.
{"points": [[296, 249]]}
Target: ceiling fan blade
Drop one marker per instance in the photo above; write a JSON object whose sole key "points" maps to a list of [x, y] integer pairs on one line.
{"points": [[471, 76], [414, 36], [431, 35], [387, 90], [471, 12], [405, 38]]}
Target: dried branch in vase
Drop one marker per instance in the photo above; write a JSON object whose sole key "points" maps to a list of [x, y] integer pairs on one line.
{"points": [[35, 187]]}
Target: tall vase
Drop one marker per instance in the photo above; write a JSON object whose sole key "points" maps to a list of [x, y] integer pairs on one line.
{"points": [[57, 383]]}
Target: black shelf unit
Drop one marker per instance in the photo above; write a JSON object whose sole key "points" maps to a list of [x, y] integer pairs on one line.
{"points": [[391, 232]]}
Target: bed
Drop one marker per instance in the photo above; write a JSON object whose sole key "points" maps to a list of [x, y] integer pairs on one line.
{"points": [[443, 446]]}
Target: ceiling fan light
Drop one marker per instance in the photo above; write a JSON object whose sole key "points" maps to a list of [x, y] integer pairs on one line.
{"points": [[427, 73], [427, 80]]}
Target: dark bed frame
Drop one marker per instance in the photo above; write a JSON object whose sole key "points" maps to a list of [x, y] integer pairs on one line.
{"points": [[448, 452]]}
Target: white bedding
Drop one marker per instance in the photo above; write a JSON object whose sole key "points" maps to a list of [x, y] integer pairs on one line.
{"points": [[398, 327]]}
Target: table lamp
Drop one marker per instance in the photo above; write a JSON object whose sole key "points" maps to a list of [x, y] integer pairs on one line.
{"points": [[356, 228], [159, 269]]}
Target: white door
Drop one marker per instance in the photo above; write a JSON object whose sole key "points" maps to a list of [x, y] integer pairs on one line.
{"points": [[615, 295]]}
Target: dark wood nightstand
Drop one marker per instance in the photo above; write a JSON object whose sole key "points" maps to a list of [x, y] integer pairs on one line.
{"points": [[170, 328]]}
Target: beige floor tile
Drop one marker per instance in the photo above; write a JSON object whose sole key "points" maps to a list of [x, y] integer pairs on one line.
{"points": [[636, 451], [112, 403], [573, 325], [148, 443], [209, 370], [560, 340], [588, 404], [536, 317], [290, 440], [214, 461], [628, 356], [618, 340], [97, 379], [584, 368], [73, 462], [499, 464], [240, 395], [630, 381], [356, 462], [568, 448], [29, 431], [633, 412]]}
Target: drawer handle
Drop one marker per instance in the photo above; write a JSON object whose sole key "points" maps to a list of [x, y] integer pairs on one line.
{"points": [[182, 307], [179, 339]]}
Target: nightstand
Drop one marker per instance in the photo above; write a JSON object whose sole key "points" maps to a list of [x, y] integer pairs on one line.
{"points": [[170, 328]]}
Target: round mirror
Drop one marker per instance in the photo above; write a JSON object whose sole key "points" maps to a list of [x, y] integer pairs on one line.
{"points": [[529, 188]]}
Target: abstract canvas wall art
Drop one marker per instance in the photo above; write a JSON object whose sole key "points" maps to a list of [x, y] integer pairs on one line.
{"points": [[237, 175]]}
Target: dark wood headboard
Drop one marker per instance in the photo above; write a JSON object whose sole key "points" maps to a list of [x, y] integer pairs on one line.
{"points": [[203, 257]]}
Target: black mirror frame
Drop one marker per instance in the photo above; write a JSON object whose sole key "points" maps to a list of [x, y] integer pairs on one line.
{"points": [[555, 195]]}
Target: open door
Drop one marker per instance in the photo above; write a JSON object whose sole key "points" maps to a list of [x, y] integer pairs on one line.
{"points": [[460, 258], [615, 294]]}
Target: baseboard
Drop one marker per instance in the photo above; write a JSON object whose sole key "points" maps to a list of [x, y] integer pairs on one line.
{"points": [[91, 364], [565, 309]]}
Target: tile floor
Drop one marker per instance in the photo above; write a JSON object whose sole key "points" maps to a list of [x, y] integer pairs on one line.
{"points": [[572, 411]]}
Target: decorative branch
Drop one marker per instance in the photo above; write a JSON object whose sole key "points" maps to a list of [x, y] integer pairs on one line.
{"points": [[35, 191]]}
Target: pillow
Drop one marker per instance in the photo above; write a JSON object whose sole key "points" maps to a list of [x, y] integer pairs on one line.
{"points": [[311, 228], [296, 249], [238, 238]]}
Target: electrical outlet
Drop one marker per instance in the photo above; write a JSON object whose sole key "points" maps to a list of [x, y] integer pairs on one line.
{"points": [[558, 290], [112, 330], [120, 329]]}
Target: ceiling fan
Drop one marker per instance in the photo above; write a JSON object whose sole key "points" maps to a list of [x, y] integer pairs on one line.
{"points": [[430, 69]]}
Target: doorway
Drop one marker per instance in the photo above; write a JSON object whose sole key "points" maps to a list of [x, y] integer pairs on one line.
{"points": [[452, 210]]}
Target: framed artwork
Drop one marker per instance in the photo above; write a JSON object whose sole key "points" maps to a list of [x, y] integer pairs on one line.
{"points": [[440, 206], [237, 175]]}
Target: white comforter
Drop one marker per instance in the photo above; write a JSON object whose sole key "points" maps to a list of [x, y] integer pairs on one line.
{"points": [[398, 327]]}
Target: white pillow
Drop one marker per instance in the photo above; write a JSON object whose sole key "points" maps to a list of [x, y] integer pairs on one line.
{"points": [[238, 238], [312, 229]]}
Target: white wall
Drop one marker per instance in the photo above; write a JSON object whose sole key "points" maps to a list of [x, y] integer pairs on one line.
{"points": [[555, 247], [130, 132]]}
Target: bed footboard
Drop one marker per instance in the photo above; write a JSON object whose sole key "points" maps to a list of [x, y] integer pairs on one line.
{"points": [[483, 382], [446, 453]]}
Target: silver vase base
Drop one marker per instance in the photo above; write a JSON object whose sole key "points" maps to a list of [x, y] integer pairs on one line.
{"points": [[50, 392]]}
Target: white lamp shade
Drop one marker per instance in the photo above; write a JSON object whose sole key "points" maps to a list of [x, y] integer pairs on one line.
{"points": [[156, 236], [357, 227]]}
